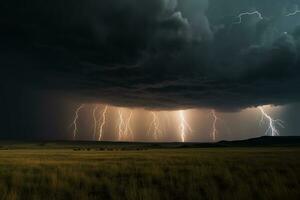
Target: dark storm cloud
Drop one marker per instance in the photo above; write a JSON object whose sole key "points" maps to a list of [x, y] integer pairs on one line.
{"points": [[156, 54]]}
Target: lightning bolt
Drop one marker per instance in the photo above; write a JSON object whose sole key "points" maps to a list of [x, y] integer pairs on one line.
{"points": [[124, 126], [240, 16], [154, 126], [102, 124], [272, 130], [184, 127], [95, 120], [74, 124], [293, 13], [121, 123], [214, 129], [128, 130]]}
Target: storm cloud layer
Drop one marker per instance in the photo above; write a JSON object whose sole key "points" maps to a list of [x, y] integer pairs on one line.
{"points": [[160, 54]]}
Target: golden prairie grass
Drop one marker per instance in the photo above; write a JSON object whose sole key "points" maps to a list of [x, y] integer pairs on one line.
{"points": [[232, 173]]}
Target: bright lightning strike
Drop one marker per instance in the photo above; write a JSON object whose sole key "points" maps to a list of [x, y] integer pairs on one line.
{"points": [[124, 126], [240, 16], [184, 127], [128, 130], [95, 120], [272, 130], [74, 124], [214, 130], [103, 118], [154, 126], [121, 124]]}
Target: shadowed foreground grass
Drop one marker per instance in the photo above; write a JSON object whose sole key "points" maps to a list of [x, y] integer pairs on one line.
{"points": [[232, 173]]}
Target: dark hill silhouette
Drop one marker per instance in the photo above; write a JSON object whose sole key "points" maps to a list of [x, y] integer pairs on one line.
{"points": [[264, 142], [285, 141]]}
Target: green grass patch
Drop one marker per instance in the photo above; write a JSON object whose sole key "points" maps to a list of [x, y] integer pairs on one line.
{"points": [[214, 173]]}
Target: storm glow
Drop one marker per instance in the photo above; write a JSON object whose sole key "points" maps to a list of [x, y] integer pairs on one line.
{"points": [[129, 124]]}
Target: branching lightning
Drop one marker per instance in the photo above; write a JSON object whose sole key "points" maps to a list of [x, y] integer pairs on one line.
{"points": [[241, 15], [102, 124], [184, 127], [272, 127], [124, 126], [214, 128], [125, 131], [293, 13], [74, 124], [154, 126]]}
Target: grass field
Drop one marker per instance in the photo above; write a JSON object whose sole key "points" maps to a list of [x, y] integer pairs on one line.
{"points": [[207, 173]]}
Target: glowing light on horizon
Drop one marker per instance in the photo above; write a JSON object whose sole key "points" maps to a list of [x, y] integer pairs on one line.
{"points": [[102, 124], [74, 124], [161, 124], [184, 127], [272, 124], [241, 15]]}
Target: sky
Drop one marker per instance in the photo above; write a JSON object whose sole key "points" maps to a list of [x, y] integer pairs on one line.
{"points": [[171, 57]]}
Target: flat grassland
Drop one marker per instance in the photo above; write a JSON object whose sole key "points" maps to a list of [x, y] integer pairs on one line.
{"points": [[187, 173]]}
